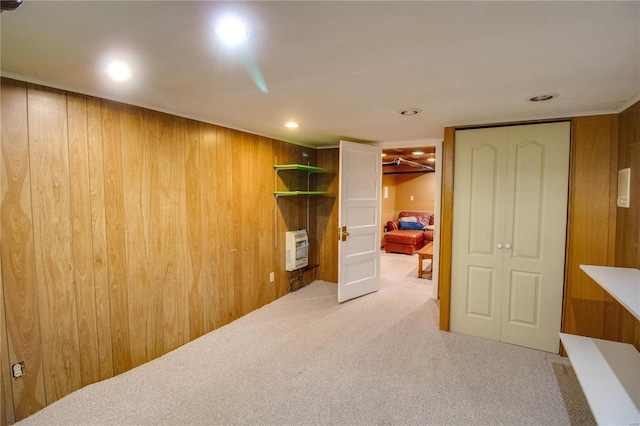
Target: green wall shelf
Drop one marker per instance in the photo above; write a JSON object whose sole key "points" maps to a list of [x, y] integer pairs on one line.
{"points": [[293, 193], [301, 167]]}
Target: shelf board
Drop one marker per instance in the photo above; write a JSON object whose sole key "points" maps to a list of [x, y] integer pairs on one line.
{"points": [[294, 193], [310, 169], [609, 374], [621, 283]]}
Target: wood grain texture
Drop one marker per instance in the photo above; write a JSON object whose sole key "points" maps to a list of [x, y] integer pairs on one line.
{"points": [[116, 237], [327, 215], [589, 223], [18, 253], [51, 204], [7, 413], [82, 238], [215, 303], [150, 230], [234, 145], [155, 326], [171, 248], [99, 238], [264, 254], [136, 179], [446, 227], [194, 196], [245, 274], [624, 327]]}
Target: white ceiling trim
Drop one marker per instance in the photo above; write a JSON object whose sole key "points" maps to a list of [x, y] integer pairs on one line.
{"points": [[628, 104]]}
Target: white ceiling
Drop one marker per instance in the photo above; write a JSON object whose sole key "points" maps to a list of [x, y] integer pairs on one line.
{"points": [[341, 69]]}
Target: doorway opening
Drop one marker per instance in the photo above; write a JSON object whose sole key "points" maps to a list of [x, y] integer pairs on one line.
{"points": [[411, 176]]}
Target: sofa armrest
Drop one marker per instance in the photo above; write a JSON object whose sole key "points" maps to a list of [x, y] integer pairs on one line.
{"points": [[392, 225]]}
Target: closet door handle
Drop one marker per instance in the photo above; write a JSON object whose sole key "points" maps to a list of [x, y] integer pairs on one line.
{"points": [[507, 246], [499, 246]]}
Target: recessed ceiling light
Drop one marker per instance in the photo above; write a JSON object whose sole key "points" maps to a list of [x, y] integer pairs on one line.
{"points": [[384, 155], [119, 71], [291, 125], [431, 159], [231, 31], [542, 98], [418, 152], [410, 111]]}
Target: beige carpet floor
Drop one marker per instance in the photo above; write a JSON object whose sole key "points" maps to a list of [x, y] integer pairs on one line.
{"points": [[306, 359]]}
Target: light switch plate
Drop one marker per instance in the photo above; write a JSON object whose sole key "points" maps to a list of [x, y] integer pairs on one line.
{"points": [[624, 187]]}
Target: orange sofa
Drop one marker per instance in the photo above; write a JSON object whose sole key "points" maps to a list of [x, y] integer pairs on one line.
{"points": [[408, 241]]}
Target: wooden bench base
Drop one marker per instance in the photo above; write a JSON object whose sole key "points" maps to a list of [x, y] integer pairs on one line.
{"points": [[425, 252]]}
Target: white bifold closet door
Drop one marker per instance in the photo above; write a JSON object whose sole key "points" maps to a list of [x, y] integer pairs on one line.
{"points": [[509, 231]]}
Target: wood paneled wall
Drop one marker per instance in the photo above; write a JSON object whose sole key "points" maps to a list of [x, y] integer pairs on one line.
{"points": [[327, 215], [619, 323], [591, 222], [127, 233]]}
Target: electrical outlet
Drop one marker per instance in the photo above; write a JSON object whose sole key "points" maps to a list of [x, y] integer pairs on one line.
{"points": [[272, 277], [17, 370]]}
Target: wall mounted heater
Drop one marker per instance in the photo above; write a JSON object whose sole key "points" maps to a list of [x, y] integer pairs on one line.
{"points": [[297, 244]]}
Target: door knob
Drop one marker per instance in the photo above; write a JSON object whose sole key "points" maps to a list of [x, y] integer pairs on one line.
{"points": [[342, 234], [507, 246], [499, 246]]}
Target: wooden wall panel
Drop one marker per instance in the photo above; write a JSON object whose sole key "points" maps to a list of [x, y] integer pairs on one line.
{"points": [[149, 230], [48, 148], [155, 325], [82, 238], [99, 238], [137, 181], [593, 148], [116, 237], [619, 322], [193, 197], [7, 413], [327, 215], [22, 332], [234, 147], [263, 192], [246, 273], [628, 235], [217, 302]]}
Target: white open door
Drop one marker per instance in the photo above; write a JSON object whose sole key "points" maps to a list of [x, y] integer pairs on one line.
{"points": [[359, 220]]}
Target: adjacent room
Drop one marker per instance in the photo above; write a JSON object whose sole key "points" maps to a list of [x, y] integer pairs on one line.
{"points": [[317, 212]]}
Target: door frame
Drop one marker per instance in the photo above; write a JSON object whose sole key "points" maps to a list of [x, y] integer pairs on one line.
{"points": [[437, 207]]}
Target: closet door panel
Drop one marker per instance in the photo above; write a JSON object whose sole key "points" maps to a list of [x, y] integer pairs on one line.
{"points": [[478, 226], [535, 229], [527, 179]]}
